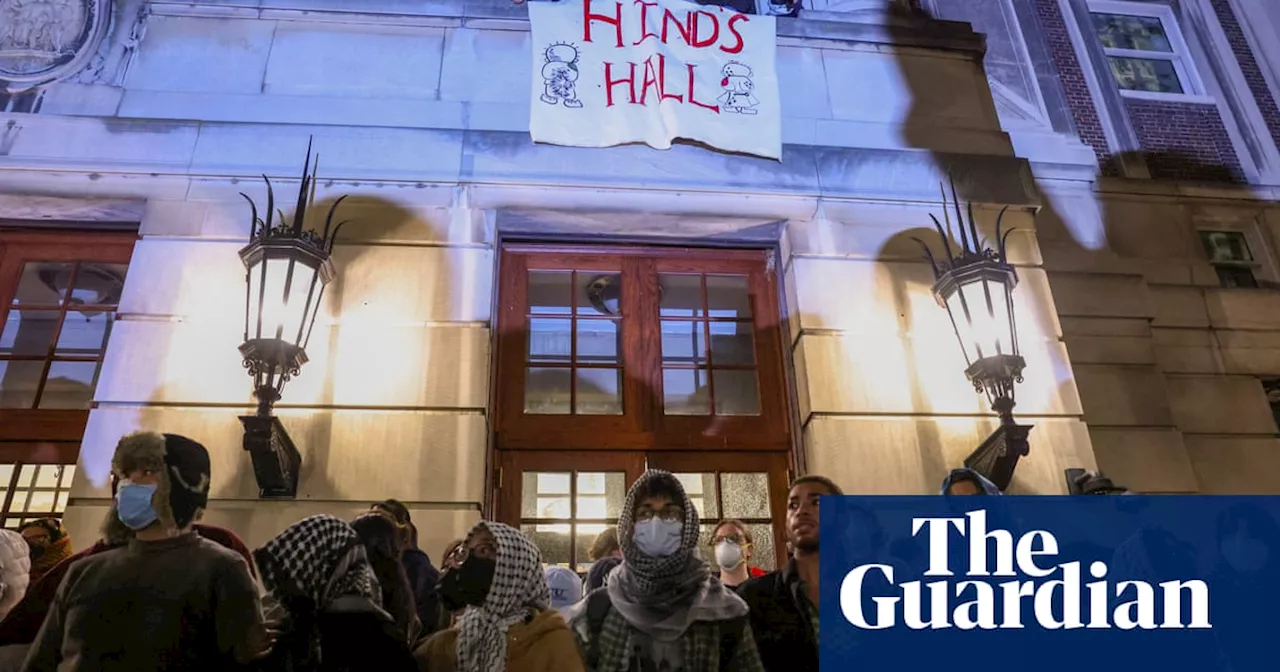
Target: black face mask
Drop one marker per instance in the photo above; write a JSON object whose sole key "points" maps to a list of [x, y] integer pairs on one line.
{"points": [[37, 551], [468, 584]]}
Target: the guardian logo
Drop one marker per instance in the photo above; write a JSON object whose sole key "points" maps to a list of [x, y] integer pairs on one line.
{"points": [[1031, 556]]}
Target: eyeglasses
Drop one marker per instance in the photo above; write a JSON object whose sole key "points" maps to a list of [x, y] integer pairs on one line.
{"points": [[733, 538], [670, 513], [461, 553]]}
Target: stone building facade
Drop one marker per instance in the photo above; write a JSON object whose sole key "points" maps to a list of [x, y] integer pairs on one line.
{"points": [[142, 122]]}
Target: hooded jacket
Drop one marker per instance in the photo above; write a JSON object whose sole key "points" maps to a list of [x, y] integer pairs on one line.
{"points": [[542, 643], [15, 568], [965, 473]]}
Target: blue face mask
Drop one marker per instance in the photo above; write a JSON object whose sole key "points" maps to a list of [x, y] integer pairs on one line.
{"points": [[658, 538], [133, 505]]}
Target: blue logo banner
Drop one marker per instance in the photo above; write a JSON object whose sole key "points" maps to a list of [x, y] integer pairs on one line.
{"points": [[1078, 583]]}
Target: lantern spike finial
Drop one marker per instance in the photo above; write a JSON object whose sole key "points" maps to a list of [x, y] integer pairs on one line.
{"points": [[336, 230], [973, 231], [300, 212], [328, 222], [946, 241], [928, 254], [1000, 246], [955, 197], [271, 207], [253, 224]]}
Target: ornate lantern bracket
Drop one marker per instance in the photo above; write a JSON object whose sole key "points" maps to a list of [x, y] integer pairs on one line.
{"points": [[287, 268], [975, 287]]}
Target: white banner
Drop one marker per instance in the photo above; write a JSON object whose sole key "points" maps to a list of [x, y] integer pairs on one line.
{"points": [[612, 72]]}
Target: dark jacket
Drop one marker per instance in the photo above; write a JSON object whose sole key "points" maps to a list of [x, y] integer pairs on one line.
{"points": [[783, 633], [353, 636], [423, 578], [600, 571]]}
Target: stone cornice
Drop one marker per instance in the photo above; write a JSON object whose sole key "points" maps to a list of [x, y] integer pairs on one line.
{"points": [[503, 15]]}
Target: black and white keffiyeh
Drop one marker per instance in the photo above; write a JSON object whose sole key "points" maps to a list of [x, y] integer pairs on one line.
{"points": [[663, 596], [319, 558], [518, 586]]}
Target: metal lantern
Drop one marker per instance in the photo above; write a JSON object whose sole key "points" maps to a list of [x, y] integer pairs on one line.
{"points": [[975, 287], [287, 268]]}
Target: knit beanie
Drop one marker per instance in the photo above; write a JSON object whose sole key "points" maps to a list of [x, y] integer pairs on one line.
{"points": [[183, 469]]}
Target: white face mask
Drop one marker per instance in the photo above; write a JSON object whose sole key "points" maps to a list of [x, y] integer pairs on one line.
{"points": [[728, 555], [658, 538], [1244, 554]]}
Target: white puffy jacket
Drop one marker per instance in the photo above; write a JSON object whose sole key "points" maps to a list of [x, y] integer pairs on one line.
{"points": [[15, 570]]}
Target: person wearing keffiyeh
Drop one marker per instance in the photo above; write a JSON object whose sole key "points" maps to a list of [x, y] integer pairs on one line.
{"points": [[507, 624], [332, 620], [662, 609]]}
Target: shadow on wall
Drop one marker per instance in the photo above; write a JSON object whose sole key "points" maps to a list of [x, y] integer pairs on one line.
{"points": [[1079, 238]]}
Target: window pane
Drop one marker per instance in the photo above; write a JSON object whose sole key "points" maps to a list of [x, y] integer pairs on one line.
{"points": [[681, 295], [728, 296], [745, 495], [599, 293], [41, 282], [549, 340], [85, 335], [1145, 74], [1235, 277], [684, 343], [684, 392], [763, 552], [546, 391], [68, 475], [18, 382], [701, 489], [6, 475], [1225, 246], [733, 343], [28, 332], [736, 392], [552, 507], [598, 341], [538, 487], [1143, 33], [70, 385], [549, 292], [610, 489], [26, 476], [63, 497], [599, 391], [552, 540], [98, 284], [42, 501], [47, 475]]}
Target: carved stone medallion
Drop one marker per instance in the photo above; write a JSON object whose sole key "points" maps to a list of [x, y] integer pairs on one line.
{"points": [[44, 40]]}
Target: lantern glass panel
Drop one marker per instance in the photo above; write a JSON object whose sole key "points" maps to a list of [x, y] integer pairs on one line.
{"points": [[284, 311], [980, 308]]}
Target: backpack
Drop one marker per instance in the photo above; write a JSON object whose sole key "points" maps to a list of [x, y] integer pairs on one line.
{"points": [[598, 606]]}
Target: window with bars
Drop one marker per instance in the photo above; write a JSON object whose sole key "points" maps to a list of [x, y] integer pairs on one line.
{"points": [[32, 491], [1144, 49]]}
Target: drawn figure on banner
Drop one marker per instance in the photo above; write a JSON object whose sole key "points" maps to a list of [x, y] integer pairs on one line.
{"points": [[560, 75], [737, 85]]}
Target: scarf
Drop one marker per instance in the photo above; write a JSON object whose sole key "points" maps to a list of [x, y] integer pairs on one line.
{"points": [[662, 597], [314, 562], [518, 585]]}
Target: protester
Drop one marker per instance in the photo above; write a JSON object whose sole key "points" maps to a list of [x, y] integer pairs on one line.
{"points": [[600, 571], [423, 576], [49, 544], [732, 546], [662, 609], [449, 560], [15, 570], [332, 621], [22, 624], [451, 554], [381, 542], [507, 624], [966, 481], [170, 600], [565, 586], [784, 604], [605, 554]]}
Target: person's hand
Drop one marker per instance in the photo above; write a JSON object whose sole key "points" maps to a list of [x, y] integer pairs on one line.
{"points": [[261, 640]]}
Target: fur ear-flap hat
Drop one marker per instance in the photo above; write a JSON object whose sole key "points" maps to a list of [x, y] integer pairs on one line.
{"points": [[182, 465]]}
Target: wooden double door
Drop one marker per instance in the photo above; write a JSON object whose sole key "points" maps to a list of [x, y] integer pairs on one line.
{"points": [[563, 499]]}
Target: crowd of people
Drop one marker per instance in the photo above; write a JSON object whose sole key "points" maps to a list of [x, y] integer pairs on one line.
{"points": [[161, 591]]}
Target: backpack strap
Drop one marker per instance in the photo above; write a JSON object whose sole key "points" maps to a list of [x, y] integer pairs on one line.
{"points": [[598, 606]]}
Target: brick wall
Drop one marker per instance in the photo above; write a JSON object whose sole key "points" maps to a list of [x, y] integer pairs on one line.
{"points": [[1073, 82], [1249, 65], [1184, 141]]}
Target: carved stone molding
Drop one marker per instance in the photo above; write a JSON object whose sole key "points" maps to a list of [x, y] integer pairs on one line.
{"points": [[45, 40]]}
